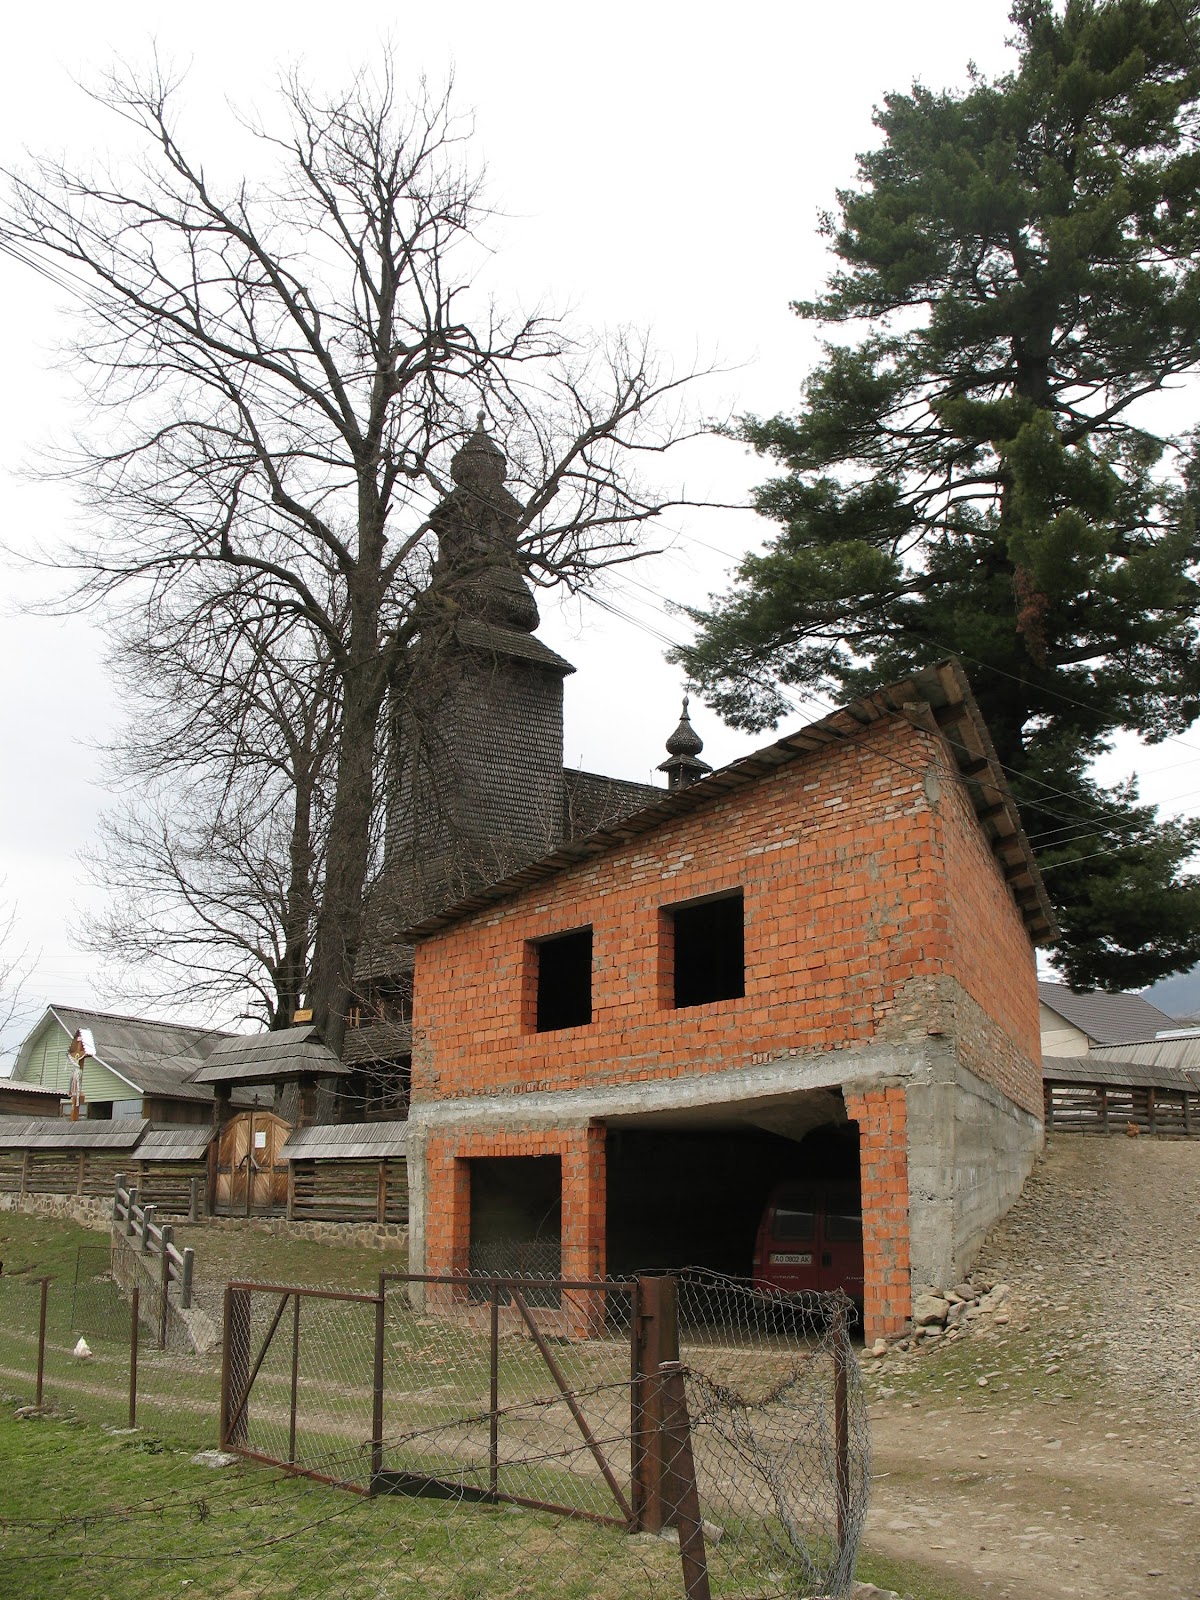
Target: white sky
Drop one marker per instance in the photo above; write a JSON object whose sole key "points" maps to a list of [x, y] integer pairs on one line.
{"points": [[659, 164]]}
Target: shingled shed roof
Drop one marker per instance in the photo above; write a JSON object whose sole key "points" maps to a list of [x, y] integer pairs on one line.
{"points": [[1105, 1018], [938, 699], [347, 1141], [1114, 1070], [186, 1142], [59, 1133], [267, 1057]]}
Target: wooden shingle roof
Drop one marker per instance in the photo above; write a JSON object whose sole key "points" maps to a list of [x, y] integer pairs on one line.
{"points": [[60, 1133], [347, 1141], [268, 1057]]}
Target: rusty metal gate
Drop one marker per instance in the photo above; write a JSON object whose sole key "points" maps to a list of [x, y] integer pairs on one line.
{"points": [[571, 1398]]}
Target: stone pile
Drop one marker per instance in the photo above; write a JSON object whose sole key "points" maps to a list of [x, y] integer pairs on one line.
{"points": [[946, 1314]]}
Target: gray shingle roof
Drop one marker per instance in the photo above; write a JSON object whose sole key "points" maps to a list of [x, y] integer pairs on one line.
{"points": [[1106, 1018], [347, 1141], [182, 1142], [156, 1058], [1114, 1069], [266, 1057], [376, 1041], [60, 1133], [594, 801], [1173, 1055]]}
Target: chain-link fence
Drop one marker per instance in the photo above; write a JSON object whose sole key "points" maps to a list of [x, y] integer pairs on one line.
{"points": [[683, 1436]]}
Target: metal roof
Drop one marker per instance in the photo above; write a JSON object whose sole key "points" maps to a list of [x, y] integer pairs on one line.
{"points": [[1114, 1071], [59, 1133], [180, 1142], [1175, 1055], [1105, 1018], [156, 1058], [347, 1141], [267, 1057], [31, 1088], [937, 699]]}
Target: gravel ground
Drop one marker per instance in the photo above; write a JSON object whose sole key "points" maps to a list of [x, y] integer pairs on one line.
{"points": [[1051, 1446], [1112, 1227]]}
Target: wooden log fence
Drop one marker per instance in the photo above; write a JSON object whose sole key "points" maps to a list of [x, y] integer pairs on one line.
{"points": [[1111, 1108], [137, 1223]]}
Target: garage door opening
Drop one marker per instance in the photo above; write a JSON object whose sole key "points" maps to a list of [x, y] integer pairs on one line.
{"points": [[516, 1216], [695, 1198]]}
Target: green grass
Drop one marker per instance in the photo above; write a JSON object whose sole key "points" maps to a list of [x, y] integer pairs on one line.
{"points": [[33, 1246]]}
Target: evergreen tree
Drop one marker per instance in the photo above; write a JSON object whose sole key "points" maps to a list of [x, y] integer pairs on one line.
{"points": [[973, 470]]}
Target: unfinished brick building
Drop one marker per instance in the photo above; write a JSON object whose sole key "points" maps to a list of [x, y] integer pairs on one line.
{"points": [[625, 1043]]}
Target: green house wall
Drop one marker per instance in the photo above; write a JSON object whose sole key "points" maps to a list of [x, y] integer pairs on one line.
{"points": [[45, 1061]]}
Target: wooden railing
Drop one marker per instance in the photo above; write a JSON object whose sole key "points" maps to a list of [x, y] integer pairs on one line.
{"points": [[146, 1238]]}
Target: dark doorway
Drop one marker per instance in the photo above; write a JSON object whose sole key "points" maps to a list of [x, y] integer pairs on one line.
{"points": [[516, 1215]]}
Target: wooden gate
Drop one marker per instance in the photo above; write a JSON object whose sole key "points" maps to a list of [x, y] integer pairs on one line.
{"points": [[251, 1176]]}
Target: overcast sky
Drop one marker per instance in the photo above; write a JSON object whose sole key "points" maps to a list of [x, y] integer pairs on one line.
{"points": [[657, 164]]}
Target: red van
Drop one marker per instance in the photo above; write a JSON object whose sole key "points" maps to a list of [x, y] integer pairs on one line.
{"points": [[810, 1237]]}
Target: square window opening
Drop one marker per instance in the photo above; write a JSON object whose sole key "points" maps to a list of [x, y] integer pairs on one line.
{"points": [[709, 956], [564, 981]]}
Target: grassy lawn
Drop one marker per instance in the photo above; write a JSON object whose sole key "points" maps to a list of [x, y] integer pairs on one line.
{"points": [[85, 1507]]}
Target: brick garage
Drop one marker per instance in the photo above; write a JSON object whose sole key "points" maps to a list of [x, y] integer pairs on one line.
{"points": [[888, 913]]}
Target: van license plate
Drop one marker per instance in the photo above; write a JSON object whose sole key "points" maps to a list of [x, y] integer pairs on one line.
{"points": [[792, 1260]]}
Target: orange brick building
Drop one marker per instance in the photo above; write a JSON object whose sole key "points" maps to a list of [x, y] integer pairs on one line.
{"points": [[627, 1043]]}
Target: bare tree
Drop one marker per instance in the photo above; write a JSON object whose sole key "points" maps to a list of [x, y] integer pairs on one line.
{"points": [[14, 966], [284, 369], [213, 857]]}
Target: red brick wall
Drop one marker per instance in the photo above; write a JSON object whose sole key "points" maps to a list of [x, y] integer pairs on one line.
{"points": [[883, 1156], [999, 1038], [448, 1195], [854, 887]]}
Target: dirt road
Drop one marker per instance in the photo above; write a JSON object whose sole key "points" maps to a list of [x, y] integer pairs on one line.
{"points": [[1053, 1448]]}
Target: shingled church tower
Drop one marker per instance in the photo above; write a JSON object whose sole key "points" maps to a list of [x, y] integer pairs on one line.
{"points": [[478, 737], [476, 780]]}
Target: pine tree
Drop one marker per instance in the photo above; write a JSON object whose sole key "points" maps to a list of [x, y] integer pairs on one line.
{"points": [[973, 469]]}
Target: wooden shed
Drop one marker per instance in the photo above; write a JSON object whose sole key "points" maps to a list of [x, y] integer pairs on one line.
{"points": [[349, 1172]]}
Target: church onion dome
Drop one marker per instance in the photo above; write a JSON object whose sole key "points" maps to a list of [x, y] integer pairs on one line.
{"points": [[683, 766], [480, 465]]}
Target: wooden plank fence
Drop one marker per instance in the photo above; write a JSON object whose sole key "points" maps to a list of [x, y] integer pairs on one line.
{"points": [[1111, 1108]]}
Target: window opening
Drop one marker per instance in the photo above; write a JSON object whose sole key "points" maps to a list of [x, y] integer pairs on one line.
{"points": [[564, 981], [709, 954]]}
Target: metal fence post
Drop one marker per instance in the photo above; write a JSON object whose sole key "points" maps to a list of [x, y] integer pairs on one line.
{"points": [[656, 1340], [494, 1390], [681, 1496], [296, 1383], [235, 1367], [134, 1314], [377, 1388], [841, 1419], [41, 1368]]}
